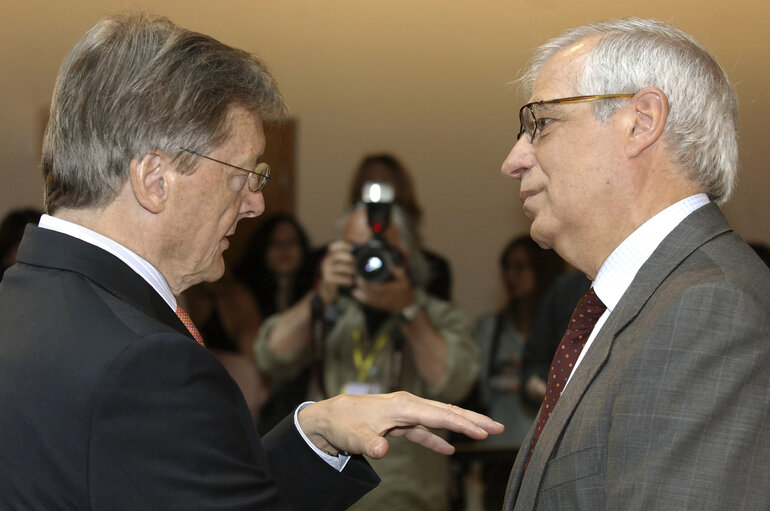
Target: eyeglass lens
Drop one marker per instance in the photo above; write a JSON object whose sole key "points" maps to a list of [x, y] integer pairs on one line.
{"points": [[259, 178], [528, 122]]}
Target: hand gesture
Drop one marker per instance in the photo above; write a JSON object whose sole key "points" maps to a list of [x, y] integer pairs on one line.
{"points": [[359, 424]]}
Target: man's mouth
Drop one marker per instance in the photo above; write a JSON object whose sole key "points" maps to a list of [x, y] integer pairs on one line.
{"points": [[525, 194]]}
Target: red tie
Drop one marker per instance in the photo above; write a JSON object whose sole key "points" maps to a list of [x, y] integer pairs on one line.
{"points": [[582, 322], [189, 324]]}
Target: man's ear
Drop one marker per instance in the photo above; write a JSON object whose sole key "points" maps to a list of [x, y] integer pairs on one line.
{"points": [[148, 180], [650, 115]]}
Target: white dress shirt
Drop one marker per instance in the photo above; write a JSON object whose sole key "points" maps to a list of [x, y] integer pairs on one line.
{"points": [[155, 279], [620, 268]]}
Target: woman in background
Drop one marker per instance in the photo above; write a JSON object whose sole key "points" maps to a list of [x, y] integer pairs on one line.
{"points": [[527, 271], [277, 267]]}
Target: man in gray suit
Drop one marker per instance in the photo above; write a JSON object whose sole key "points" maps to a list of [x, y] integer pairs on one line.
{"points": [[624, 153]]}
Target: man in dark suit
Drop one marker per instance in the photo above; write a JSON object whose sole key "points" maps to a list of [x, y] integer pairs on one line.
{"points": [[151, 157], [661, 401]]}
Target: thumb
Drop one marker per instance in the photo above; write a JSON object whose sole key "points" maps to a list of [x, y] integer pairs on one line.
{"points": [[378, 447]]}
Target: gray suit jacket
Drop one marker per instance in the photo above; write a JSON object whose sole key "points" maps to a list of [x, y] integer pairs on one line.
{"points": [[669, 407]]}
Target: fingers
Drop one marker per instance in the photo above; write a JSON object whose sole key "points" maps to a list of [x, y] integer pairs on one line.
{"points": [[391, 296], [337, 270], [359, 423], [438, 415], [425, 438]]}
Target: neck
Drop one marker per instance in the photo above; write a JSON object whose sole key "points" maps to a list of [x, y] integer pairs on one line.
{"points": [[653, 189], [120, 224]]}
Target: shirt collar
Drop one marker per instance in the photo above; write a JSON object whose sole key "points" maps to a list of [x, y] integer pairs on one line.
{"points": [[146, 270], [620, 268]]}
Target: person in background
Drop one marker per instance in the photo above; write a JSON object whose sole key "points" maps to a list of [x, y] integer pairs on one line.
{"points": [[11, 232], [362, 336], [109, 399], [385, 167], [527, 271], [547, 330], [276, 266]]}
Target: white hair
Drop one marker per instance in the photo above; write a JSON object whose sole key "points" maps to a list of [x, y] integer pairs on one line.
{"points": [[634, 53]]}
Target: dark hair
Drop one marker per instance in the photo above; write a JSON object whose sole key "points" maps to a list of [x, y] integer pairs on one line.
{"points": [[12, 230], [762, 250], [253, 271], [402, 182]]}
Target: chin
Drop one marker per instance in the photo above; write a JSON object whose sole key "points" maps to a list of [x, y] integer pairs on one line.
{"points": [[215, 271], [539, 237]]}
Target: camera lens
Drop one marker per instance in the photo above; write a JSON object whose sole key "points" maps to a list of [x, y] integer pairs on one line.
{"points": [[374, 261]]}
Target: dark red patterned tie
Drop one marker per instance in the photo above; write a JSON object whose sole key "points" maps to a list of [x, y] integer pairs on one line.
{"points": [[582, 322], [189, 324]]}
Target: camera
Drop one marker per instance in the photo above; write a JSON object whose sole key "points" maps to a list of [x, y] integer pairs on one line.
{"points": [[375, 259]]}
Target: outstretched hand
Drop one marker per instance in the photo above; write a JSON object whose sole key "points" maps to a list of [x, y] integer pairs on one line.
{"points": [[359, 424]]}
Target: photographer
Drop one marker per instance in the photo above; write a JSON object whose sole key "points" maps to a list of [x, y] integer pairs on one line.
{"points": [[368, 332]]}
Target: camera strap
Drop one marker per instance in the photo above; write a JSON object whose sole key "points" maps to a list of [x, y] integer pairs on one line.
{"points": [[318, 328], [363, 363], [396, 360]]}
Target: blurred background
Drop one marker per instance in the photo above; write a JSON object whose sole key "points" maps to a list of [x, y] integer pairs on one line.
{"points": [[425, 80]]}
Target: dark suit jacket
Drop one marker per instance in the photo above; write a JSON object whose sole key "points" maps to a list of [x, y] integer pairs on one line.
{"points": [[106, 402], [669, 407]]}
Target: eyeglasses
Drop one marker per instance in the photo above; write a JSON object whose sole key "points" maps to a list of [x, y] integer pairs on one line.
{"points": [[257, 178], [530, 123]]}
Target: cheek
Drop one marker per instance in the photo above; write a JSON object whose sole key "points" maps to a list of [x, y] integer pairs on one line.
{"points": [[528, 282], [293, 257], [272, 258]]}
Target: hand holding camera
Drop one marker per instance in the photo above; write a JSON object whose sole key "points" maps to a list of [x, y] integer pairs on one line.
{"points": [[337, 271], [367, 265]]}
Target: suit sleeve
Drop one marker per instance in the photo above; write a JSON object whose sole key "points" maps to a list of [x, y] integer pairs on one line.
{"points": [[170, 430], [690, 424], [284, 446]]}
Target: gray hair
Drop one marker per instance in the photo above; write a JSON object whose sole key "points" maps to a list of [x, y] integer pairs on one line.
{"points": [[409, 240], [139, 83], [632, 54]]}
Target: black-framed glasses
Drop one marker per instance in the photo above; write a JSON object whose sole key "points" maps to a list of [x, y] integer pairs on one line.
{"points": [[530, 123], [257, 178]]}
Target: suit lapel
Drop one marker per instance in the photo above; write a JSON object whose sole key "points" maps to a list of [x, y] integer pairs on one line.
{"points": [[699, 227], [52, 249]]}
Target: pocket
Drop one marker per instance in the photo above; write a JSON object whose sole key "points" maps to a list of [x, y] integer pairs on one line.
{"points": [[572, 467]]}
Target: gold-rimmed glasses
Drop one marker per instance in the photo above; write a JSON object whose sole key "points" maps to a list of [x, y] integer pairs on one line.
{"points": [[530, 122], [257, 178]]}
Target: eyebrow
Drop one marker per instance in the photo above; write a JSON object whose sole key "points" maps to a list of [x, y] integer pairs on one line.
{"points": [[252, 164], [547, 108]]}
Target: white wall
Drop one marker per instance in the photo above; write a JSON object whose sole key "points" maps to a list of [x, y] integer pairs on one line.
{"points": [[424, 79]]}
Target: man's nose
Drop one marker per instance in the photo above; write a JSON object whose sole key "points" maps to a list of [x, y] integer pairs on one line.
{"points": [[520, 159], [253, 204]]}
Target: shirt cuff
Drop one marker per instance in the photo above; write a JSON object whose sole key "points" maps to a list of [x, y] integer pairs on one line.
{"points": [[337, 462]]}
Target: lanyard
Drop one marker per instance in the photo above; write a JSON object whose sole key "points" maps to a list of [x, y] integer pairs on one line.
{"points": [[364, 364]]}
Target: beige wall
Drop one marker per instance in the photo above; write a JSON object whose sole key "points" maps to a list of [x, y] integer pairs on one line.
{"points": [[425, 79]]}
